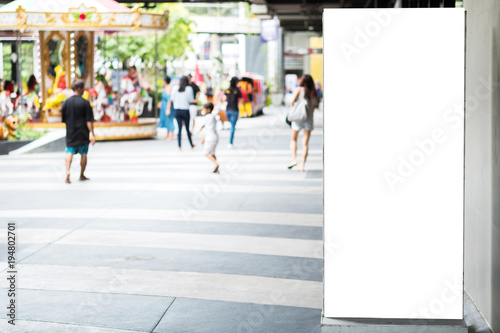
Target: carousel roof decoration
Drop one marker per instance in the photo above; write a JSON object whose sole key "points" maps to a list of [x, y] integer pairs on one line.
{"points": [[92, 15]]}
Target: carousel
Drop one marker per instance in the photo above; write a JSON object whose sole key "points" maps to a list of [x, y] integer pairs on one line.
{"points": [[64, 34]]}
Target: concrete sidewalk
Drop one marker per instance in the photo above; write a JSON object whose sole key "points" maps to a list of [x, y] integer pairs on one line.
{"points": [[156, 243]]}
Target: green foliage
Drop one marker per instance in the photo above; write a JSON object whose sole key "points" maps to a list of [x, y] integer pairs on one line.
{"points": [[27, 61], [173, 44], [26, 57], [7, 65], [30, 134]]}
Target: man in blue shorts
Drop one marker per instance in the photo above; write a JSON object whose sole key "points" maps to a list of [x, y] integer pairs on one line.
{"points": [[79, 118]]}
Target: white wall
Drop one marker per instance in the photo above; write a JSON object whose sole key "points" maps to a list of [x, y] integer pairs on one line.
{"points": [[482, 172], [398, 228]]}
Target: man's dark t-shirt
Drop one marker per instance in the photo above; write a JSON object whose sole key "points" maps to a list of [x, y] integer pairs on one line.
{"points": [[76, 112], [233, 94], [195, 87]]}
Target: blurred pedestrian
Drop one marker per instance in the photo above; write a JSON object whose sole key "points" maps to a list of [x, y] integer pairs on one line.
{"points": [[233, 97], [166, 119], [266, 94], [180, 99], [210, 89], [79, 118], [319, 90], [307, 91], [210, 136], [136, 79], [193, 107]]}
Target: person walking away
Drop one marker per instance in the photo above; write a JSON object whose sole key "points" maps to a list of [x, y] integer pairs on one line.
{"points": [[233, 97], [79, 118], [305, 90], [210, 137], [193, 108], [319, 90], [180, 99], [166, 120]]}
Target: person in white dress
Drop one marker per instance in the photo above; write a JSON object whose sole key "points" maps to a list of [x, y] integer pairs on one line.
{"points": [[305, 90], [210, 136]]}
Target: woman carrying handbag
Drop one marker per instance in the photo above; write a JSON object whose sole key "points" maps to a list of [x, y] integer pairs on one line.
{"points": [[180, 99], [305, 96]]}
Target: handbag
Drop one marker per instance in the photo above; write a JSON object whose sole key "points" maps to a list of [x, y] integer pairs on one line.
{"points": [[298, 111]]}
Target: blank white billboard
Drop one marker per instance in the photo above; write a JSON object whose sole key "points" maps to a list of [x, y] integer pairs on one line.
{"points": [[394, 163]]}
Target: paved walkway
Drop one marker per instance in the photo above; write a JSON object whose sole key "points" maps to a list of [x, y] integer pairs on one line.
{"points": [[155, 243]]}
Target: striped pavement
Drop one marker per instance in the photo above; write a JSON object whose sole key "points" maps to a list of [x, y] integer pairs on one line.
{"points": [[156, 243]]}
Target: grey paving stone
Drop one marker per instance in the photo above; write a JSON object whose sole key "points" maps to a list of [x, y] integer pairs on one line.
{"points": [[203, 162], [116, 200], [180, 260], [141, 313], [172, 181], [47, 222], [25, 168], [23, 249], [215, 228], [128, 312], [290, 203], [473, 318], [284, 203], [200, 316], [314, 174], [244, 229], [203, 168], [22, 252]]}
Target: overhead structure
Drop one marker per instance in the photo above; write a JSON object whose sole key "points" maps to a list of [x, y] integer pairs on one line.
{"points": [[300, 15], [306, 15]]}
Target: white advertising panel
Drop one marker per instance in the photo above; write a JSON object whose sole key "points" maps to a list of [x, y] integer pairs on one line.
{"points": [[394, 163]]}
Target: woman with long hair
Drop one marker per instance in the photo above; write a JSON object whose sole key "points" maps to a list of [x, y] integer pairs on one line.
{"points": [[182, 95], [166, 119], [233, 97], [307, 91]]}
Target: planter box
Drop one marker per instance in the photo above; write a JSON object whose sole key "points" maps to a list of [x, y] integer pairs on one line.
{"points": [[8, 146]]}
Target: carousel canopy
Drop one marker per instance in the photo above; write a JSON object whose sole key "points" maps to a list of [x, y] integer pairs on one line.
{"points": [[30, 15]]}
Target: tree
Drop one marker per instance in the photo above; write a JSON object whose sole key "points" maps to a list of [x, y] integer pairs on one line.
{"points": [[175, 43], [172, 45]]}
